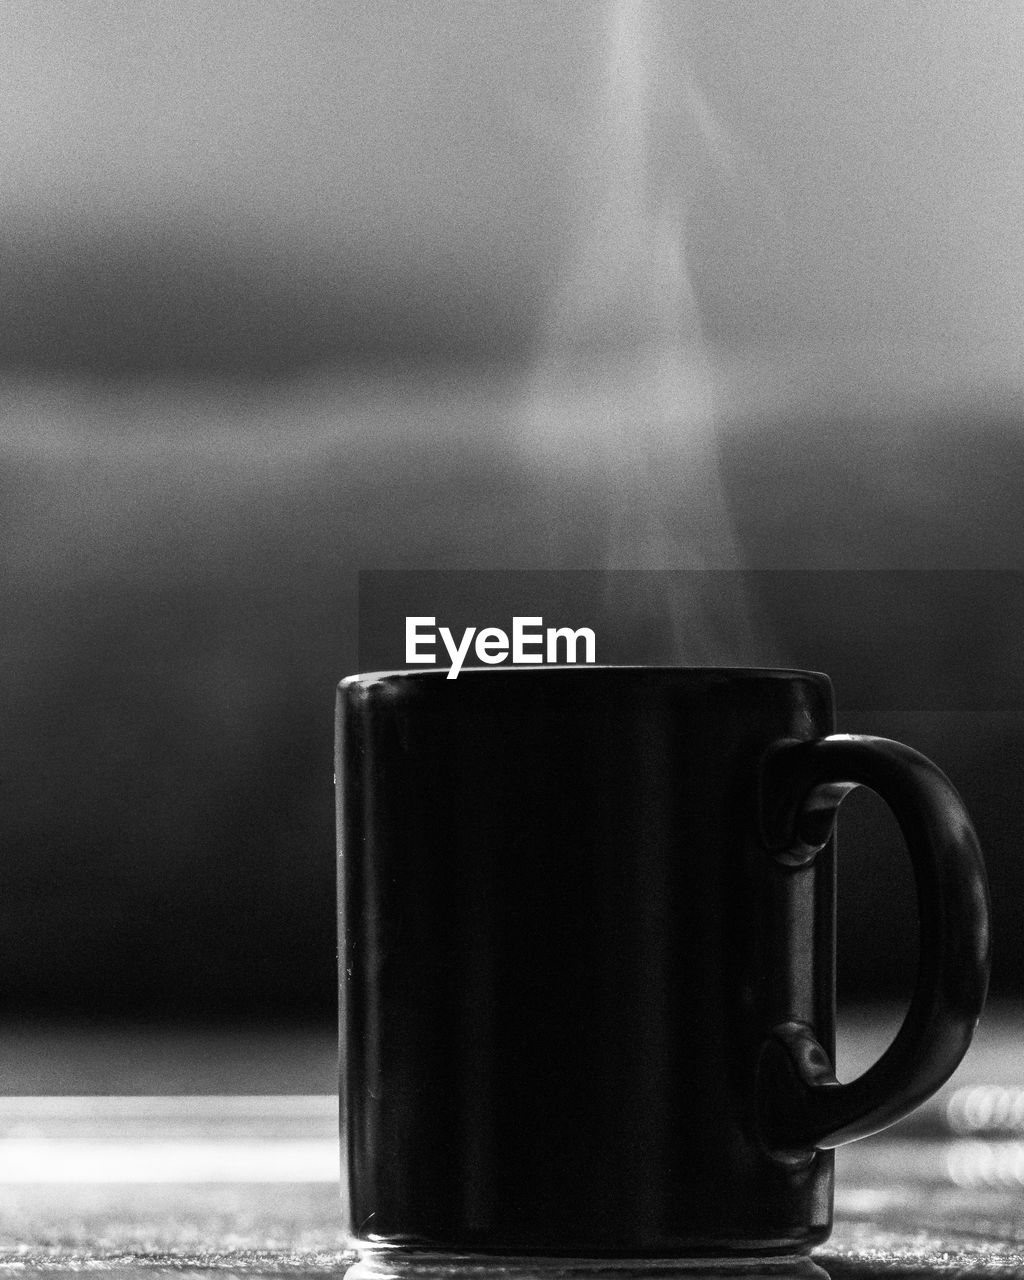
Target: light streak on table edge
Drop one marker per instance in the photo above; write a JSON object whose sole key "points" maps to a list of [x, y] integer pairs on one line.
{"points": [[51, 1160], [118, 1145], [172, 1106]]}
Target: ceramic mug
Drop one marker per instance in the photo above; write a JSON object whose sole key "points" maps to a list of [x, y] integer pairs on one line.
{"points": [[587, 959]]}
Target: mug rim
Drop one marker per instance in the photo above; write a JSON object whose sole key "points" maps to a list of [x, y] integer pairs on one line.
{"points": [[582, 669]]}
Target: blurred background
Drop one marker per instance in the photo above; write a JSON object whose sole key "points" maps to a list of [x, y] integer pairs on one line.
{"points": [[289, 290]]}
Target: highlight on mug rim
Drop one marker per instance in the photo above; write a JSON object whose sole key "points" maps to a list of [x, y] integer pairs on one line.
{"points": [[589, 671]]}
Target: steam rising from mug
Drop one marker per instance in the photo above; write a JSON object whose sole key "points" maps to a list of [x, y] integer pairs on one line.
{"points": [[623, 389]]}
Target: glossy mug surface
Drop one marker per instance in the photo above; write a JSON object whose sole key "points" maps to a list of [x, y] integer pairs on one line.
{"points": [[587, 958]]}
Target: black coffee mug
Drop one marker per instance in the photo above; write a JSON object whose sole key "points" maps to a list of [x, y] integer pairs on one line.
{"points": [[587, 958]]}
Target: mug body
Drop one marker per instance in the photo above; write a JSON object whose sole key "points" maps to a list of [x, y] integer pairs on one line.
{"points": [[563, 947]]}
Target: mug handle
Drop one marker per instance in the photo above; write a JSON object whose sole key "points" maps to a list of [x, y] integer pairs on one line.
{"points": [[802, 785]]}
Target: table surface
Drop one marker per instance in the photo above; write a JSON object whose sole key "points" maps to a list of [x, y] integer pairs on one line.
{"points": [[216, 1153]]}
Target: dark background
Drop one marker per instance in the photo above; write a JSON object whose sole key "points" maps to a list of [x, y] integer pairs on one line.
{"points": [[276, 282]]}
